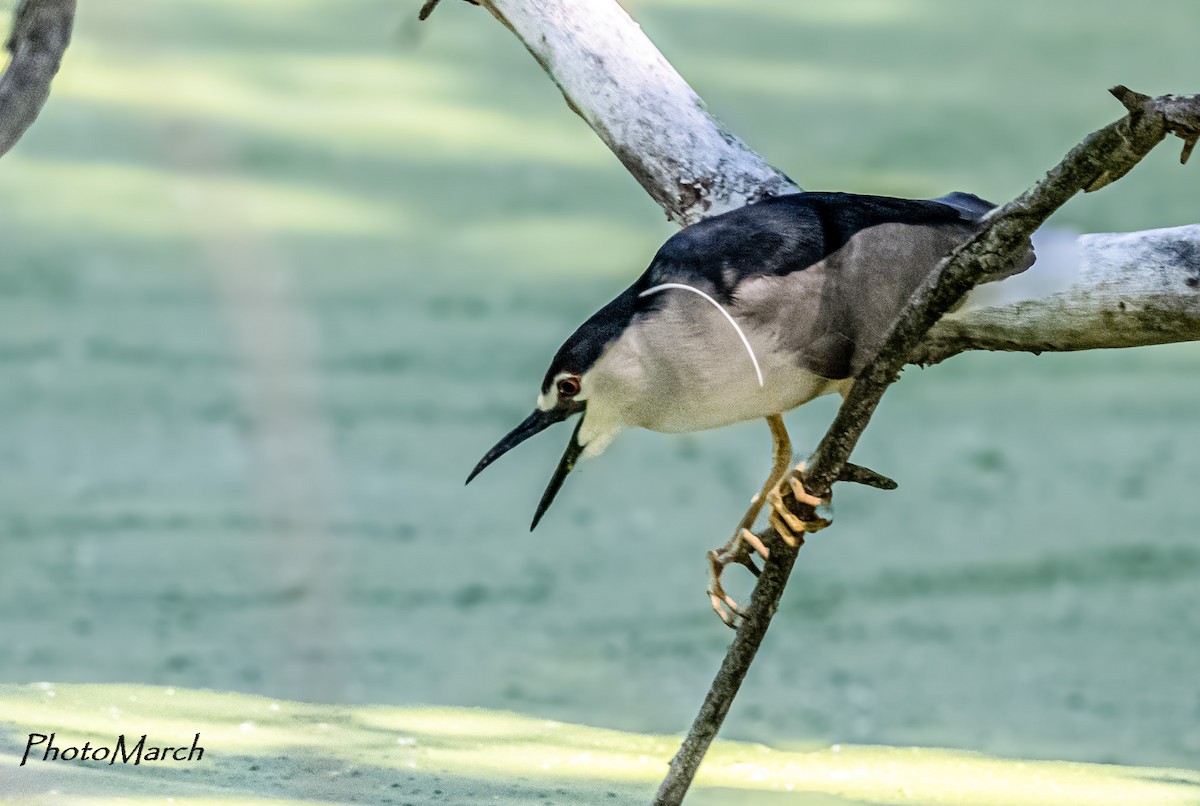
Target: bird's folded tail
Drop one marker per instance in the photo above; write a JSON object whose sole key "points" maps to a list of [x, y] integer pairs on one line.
{"points": [[972, 209], [969, 206]]}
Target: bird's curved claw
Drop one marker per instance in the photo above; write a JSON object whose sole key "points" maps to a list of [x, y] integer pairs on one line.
{"points": [[742, 547], [738, 551], [790, 526]]}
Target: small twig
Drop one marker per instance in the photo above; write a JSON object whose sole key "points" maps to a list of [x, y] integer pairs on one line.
{"points": [[857, 474], [1183, 120], [430, 5], [1106, 154], [427, 9], [41, 31]]}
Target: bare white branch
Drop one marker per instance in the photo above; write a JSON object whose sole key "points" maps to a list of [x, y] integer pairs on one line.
{"points": [[1104, 290], [616, 80]]}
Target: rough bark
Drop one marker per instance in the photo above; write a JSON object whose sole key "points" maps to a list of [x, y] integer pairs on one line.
{"points": [[41, 31]]}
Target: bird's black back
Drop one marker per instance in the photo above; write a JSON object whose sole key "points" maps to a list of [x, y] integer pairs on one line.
{"points": [[773, 237], [786, 234]]}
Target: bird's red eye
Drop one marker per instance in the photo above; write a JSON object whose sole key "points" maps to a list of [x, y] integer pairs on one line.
{"points": [[568, 387]]}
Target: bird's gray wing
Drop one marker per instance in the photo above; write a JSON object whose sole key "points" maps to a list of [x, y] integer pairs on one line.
{"points": [[834, 315]]}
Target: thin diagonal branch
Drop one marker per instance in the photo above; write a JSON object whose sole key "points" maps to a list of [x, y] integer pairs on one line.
{"points": [[41, 31], [1104, 156]]}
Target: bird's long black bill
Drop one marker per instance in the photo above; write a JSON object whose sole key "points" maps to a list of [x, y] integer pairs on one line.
{"points": [[533, 424], [565, 466]]}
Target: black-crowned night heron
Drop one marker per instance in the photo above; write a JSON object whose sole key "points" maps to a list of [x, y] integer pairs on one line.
{"points": [[743, 316]]}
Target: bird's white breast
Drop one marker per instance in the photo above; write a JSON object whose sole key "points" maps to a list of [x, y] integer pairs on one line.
{"points": [[686, 369]]}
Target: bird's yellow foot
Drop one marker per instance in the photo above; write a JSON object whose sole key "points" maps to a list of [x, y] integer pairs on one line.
{"points": [[738, 550], [788, 524]]}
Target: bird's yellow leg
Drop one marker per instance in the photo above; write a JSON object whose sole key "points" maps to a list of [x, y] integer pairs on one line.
{"points": [[738, 549]]}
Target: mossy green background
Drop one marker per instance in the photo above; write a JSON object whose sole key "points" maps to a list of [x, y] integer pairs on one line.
{"points": [[275, 274]]}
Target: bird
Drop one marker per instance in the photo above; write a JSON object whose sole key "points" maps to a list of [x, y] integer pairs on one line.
{"points": [[744, 316]]}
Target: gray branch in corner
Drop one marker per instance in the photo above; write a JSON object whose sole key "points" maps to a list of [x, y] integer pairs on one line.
{"points": [[41, 31]]}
